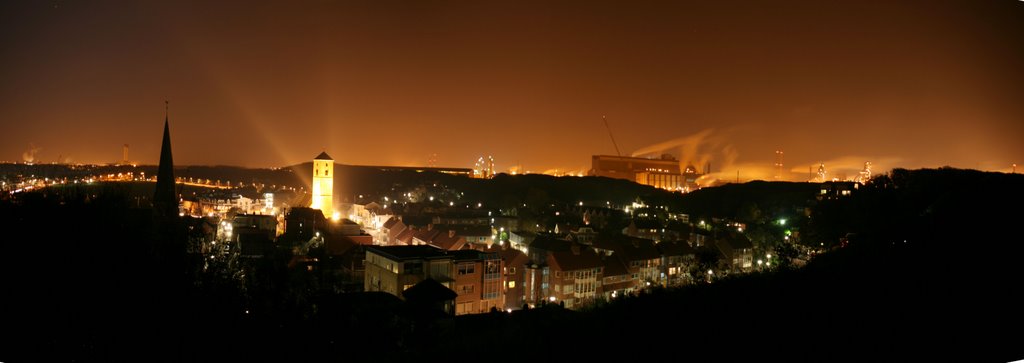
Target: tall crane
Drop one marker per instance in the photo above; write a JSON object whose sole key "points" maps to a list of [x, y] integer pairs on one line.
{"points": [[611, 136]]}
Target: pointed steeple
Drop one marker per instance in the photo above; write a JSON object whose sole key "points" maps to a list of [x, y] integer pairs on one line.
{"points": [[165, 202]]}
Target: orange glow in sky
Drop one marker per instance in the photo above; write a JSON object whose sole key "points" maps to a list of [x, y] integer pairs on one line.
{"points": [[899, 83]]}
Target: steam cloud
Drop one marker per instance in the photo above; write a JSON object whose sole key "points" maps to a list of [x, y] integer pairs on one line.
{"points": [[717, 147], [707, 146], [29, 156]]}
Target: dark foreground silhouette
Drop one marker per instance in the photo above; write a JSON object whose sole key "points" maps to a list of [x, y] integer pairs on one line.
{"points": [[934, 272]]}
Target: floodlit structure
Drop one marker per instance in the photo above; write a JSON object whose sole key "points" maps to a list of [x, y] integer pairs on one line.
{"points": [[484, 168], [659, 173], [323, 184]]}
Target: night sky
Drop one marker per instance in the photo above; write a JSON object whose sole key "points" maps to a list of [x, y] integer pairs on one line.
{"points": [[899, 83]]}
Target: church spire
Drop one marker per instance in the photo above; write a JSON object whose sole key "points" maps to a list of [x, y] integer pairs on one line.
{"points": [[165, 202]]}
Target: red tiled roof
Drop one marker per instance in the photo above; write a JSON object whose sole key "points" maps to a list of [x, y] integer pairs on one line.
{"points": [[429, 290], [467, 230], [613, 266], [405, 237], [736, 241], [571, 261], [629, 248], [447, 242], [427, 235], [514, 257], [676, 248]]}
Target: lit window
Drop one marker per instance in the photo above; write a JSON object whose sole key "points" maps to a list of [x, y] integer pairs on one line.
{"points": [[466, 269]]}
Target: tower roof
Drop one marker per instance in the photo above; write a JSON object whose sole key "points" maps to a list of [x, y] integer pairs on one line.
{"points": [[165, 199], [323, 156]]}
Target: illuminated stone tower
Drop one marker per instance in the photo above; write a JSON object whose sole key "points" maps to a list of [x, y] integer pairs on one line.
{"points": [[323, 184]]}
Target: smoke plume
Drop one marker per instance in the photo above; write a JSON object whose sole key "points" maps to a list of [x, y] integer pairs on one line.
{"points": [[29, 156]]}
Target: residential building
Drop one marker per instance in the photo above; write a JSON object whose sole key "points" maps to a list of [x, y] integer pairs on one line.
{"points": [[250, 235], [224, 202], [473, 234], [424, 236], [737, 250], [344, 227], [677, 259], [649, 228], [475, 276], [477, 217], [537, 286], [837, 189], [430, 295], [448, 240], [700, 237], [543, 245], [617, 281], [405, 237], [441, 238], [478, 281], [344, 263], [302, 224], [514, 268], [641, 256], [253, 245], [521, 240], [576, 276], [583, 235], [255, 223], [390, 229], [393, 269]]}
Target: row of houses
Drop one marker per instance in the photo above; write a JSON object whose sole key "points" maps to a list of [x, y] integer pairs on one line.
{"points": [[395, 232], [474, 276], [553, 269], [572, 268]]}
